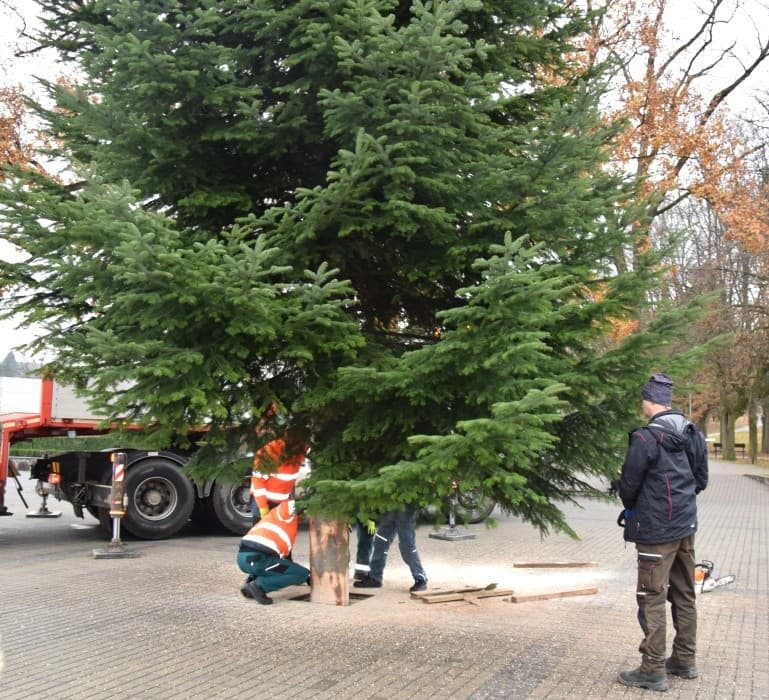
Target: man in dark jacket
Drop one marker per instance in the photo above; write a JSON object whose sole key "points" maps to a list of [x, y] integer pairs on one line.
{"points": [[665, 467]]}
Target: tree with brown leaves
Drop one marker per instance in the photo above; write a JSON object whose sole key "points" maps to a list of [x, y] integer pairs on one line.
{"points": [[675, 83], [669, 82], [14, 149]]}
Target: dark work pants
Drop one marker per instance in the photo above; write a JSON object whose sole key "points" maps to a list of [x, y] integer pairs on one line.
{"points": [[666, 573], [403, 524], [270, 571], [363, 550]]}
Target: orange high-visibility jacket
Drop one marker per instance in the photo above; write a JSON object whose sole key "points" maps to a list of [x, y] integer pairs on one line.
{"points": [[274, 486], [276, 530]]}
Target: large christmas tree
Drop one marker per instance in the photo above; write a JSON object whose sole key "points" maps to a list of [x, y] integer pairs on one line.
{"points": [[389, 218]]}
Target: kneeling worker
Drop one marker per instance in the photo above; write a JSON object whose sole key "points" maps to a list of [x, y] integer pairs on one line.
{"points": [[263, 551]]}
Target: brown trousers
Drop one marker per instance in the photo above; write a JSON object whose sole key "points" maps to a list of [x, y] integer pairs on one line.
{"points": [[666, 573]]}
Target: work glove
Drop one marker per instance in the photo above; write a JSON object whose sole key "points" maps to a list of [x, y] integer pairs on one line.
{"points": [[263, 512], [623, 517], [370, 527]]}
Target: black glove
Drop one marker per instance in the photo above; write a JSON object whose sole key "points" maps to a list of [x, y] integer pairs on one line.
{"points": [[623, 516]]}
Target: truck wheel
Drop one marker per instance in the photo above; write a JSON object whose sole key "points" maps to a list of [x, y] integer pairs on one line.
{"points": [[230, 505], [160, 499], [473, 506]]}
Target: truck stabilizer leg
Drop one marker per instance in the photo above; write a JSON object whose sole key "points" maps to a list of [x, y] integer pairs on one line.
{"points": [[115, 549], [42, 511], [451, 533]]}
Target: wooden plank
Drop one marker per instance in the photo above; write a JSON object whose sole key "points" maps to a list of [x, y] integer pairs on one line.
{"points": [[524, 598], [468, 594], [466, 589], [552, 564]]}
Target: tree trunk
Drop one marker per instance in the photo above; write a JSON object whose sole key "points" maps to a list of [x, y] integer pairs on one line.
{"points": [[727, 434], [329, 562], [765, 427], [752, 430], [703, 422]]}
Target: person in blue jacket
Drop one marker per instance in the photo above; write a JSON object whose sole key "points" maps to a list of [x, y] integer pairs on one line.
{"points": [[665, 467]]}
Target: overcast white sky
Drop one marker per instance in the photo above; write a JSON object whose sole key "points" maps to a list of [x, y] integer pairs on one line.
{"points": [[15, 14], [13, 71]]}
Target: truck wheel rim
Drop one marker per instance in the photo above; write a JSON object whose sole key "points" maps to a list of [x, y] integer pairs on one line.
{"points": [[240, 499], [155, 498]]}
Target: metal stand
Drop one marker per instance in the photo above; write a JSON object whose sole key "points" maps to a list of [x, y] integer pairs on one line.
{"points": [[42, 511], [451, 533], [115, 549]]}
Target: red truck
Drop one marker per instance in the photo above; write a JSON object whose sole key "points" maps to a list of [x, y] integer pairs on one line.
{"points": [[161, 499]]}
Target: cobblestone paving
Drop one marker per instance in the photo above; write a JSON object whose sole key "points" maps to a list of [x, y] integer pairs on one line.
{"points": [[171, 624]]}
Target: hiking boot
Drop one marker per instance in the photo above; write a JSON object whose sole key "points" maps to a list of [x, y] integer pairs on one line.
{"points": [[257, 593], [419, 585], [359, 575], [639, 679], [244, 590], [676, 669], [367, 582]]}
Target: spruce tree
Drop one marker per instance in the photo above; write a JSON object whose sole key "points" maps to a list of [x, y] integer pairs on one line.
{"points": [[374, 213]]}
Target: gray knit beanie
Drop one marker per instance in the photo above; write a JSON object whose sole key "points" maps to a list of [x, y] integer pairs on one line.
{"points": [[659, 389]]}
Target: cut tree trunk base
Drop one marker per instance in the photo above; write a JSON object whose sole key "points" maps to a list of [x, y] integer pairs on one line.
{"points": [[329, 562]]}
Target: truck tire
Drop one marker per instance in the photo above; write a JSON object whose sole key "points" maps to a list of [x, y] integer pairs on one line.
{"points": [[473, 506], [229, 503], [160, 499]]}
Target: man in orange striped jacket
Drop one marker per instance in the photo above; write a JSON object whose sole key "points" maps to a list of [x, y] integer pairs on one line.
{"points": [[264, 551], [271, 486]]}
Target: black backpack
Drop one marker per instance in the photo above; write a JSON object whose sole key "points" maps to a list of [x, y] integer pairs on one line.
{"points": [[696, 452]]}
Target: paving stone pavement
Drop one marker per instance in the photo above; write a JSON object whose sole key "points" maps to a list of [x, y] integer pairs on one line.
{"points": [[171, 624]]}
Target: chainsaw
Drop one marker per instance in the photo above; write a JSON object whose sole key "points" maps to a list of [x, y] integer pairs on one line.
{"points": [[704, 581]]}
